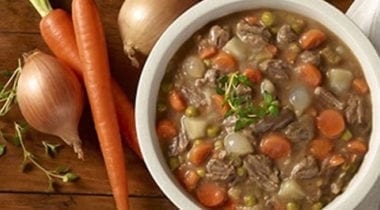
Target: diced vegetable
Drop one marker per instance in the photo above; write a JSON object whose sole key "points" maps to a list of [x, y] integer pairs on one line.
{"points": [[267, 18], [224, 62], [195, 127], [312, 39], [320, 148], [336, 160], [194, 66], [211, 194], [220, 104], [207, 52], [331, 123], [212, 130], [357, 146], [292, 52], [347, 135], [237, 48], [360, 86], [199, 153], [275, 145], [292, 206], [339, 80], [201, 172], [166, 129], [237, 144], [254, 75], [189, 178], [331, 55], [267, 86], [174, 163], [310, 74], [249, 200], [191, 111], [176, 101], [297, 25], [300, 99], [291, 190]]}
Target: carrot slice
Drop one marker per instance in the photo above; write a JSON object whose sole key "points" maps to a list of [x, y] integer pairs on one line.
{"points": [[211, 194], [320, 148], [330, 123], [275, 145], [312, 39], [336, 160], [93, 55], [360, 85], [176, 101], [199, 153], [224, 62], [357, 146], [207, 52], [166, 129], [310, 74], [253, 75], [220, 104], [188, 177]]}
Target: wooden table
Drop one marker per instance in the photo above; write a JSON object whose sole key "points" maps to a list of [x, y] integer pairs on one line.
{"points": [[19, 33]]}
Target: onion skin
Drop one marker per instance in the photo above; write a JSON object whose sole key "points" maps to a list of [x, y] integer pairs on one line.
{"points": [[141, 23], [51, 98]]}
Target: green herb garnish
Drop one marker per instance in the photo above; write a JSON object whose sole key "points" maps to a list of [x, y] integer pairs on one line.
{"points": [[51, 149], [8, 90], [242, 105]]}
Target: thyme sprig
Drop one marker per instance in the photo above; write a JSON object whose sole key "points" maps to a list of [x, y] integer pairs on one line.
{"points": [[8, 91], [242, 105], [63, 175]]}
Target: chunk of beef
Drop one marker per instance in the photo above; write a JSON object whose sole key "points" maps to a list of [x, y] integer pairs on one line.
{"points": [[311, 57], [178, 145], [262, 171], [271, 123], [306, 169], [219, 170], [194, 96], [275, 69], [327, 99], [255, 36], [355, 111], [285, 35], [218, 36], [301, 130], [208, 79]]}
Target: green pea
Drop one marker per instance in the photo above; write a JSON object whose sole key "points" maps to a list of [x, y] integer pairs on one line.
{"points": [[292, 206], [173, 163], [347, 135], [212, 131], [249, 200], [298, 25], [191, 111], [267, 18], [317, 206], [166, 87], [197, 142], [201, 172]]}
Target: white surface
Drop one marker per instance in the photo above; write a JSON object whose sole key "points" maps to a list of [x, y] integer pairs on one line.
{"points": [[208, 10]]}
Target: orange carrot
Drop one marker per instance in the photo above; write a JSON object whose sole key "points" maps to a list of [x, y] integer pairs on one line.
{"points": [[188, 177], [97, 79], [252, 19], [166, 129], [360, 85], [253, 75], [310, 74], [336, 160], [211, 194], [320, 148], [330, 123], [224, 62], [176, 101], [220, 104], [357, 146], [312, 39], [275, 145], [57, 30], [207, 52], [199, 153]]}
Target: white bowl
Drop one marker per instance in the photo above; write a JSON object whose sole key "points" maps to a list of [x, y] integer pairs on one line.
{"points": [[208, 10]]}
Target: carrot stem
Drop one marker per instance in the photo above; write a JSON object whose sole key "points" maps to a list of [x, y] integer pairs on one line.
{"points": [[43, 7]]}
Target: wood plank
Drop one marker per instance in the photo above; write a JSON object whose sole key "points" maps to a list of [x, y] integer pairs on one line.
{"points": [[23, 201]]}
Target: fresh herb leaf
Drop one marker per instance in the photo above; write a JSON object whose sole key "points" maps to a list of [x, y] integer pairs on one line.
{"points": [[2, 149], [51, 149], [69, 177], [243, 122]]}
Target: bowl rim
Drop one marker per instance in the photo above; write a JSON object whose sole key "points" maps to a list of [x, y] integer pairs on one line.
{"points": [[203, 13]]}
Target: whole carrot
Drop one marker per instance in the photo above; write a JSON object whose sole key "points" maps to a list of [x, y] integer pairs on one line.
{"points": [[57, 30], [93, 54]]}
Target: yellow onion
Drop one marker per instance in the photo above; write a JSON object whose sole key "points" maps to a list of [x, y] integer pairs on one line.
{"points": [[50, 98], [141, 22]]}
